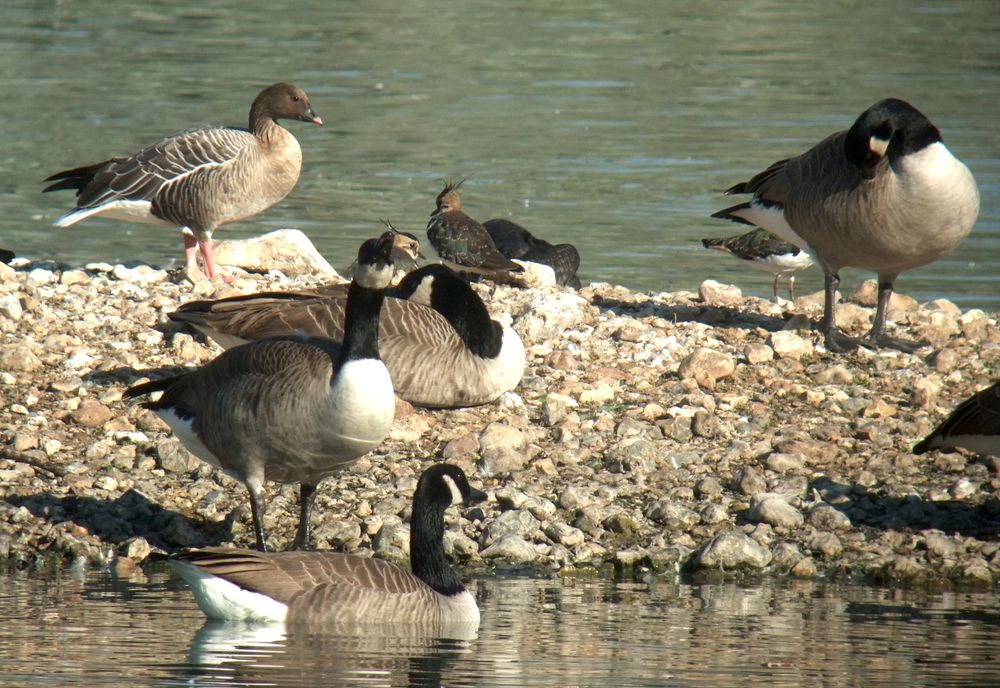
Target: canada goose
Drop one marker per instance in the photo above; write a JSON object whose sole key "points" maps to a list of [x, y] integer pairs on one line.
{"points": [[764, 251], [461, 242], [328, 588], [886, 195], [437, 339], [514, 241], [294, 409], [405, 251], [973, 425], [198, 179]]}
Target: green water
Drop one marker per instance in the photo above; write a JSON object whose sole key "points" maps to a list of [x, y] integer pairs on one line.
{"points": [[611, 125]]}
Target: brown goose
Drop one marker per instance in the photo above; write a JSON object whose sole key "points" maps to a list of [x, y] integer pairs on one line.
{"points": [[330, 588], [437, 339], [886, 195], [198, 179], [462, 243], [973, 425], [293, 409]]}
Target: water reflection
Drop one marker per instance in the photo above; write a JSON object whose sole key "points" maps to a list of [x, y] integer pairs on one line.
{"points": [[111, 631], [227, 654]]}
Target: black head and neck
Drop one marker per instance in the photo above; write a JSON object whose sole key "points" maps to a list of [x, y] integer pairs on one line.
{"points": [[364, 299], [891, 129], [439, 487], [438, 286]]}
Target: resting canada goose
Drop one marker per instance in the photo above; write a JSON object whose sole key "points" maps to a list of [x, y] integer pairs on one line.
{"points": [[405, 251], [973, 425], [460, 241], [764, 251], [198, 179], [885, 195], [294, 409], [437, 339], [329, 588], [514, 241]]}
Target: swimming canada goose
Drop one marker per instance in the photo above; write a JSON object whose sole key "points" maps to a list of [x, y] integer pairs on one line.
{"points": [[514, 241], [764, 251], [329, 588], [460, 241], [973, 425], [293, 409], [886, 195], [198, 179], [437, 339]]}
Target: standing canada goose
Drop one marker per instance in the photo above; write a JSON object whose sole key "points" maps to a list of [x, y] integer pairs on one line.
{"points": [[514, 241], [294, 409], [461, 242], [198, 179], [886, 195], [437, 339], [330, 588], [764, 251], [973, 425]]}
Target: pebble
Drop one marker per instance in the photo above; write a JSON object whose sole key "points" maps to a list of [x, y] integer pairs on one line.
{"points": [[732, 550], [650, 430], [774, 510]]}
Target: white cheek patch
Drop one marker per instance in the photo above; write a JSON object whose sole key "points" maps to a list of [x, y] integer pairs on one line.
{"points": [[422, 294], [371, 277], [456, 493], [878, 146]]}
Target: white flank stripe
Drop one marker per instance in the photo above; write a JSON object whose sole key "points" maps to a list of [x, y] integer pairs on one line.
{"points": [[220, 599], [183, 429], [772, 219], [127, 211]]}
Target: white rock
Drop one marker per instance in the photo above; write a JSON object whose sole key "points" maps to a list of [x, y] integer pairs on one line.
{"points": [[40, 276], [790, 345], [10, 307], [140, 274], [773, 509], [549, 314], [287, 250], [719, 294]]}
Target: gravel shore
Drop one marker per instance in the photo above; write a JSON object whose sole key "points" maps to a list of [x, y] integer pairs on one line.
{"points": [[704, 432]]}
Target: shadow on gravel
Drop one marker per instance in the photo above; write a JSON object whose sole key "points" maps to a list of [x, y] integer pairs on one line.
{"points": [[913, 513], [129, 376], [130, 515], [717, 316]]}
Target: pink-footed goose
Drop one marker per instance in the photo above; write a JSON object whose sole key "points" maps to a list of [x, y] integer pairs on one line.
{"points": [[436, 337], [291, 409], [324, 589], [198, 179], [886, 195]]}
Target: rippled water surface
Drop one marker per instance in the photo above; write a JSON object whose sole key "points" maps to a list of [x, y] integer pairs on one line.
{"points": [[90, 628], [611, 125]]}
